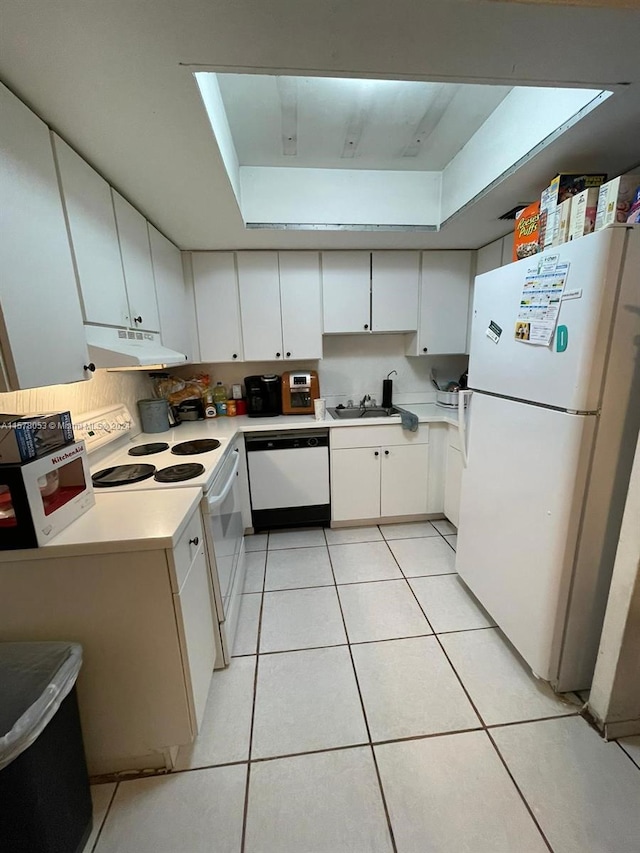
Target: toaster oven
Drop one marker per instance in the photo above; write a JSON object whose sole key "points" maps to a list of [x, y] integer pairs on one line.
{"points": [[299, 390]]}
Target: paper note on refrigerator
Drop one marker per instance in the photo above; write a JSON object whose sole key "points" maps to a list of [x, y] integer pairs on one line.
{"points": [[540, 304]]}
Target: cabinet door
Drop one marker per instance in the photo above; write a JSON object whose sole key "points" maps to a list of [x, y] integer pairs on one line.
{"points": [[94, 239], [41, 329], [175, 296], [452, 483], [444, 303], [301, 304], [489, 257], [355, 483], [136, 263], [217, 308], [346, 291], [259, 287], [405, 480], [395, 280], [194, 612]]}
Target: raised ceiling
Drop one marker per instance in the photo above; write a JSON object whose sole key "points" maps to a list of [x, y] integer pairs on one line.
{"points": [[116, 80], [343, 123]]}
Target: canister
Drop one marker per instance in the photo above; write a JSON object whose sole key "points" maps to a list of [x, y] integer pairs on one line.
{"points": [[154, 415]]}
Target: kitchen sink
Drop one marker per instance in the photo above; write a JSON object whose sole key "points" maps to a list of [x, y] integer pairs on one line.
{"points": [[369, 412]]}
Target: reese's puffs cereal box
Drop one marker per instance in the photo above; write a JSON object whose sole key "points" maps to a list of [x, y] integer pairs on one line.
{"points": [[527, 232]]}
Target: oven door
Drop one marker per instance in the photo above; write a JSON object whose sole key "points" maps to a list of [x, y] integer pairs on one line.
{"points": [[225, 541]]}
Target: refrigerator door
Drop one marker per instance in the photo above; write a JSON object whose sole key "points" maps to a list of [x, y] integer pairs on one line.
{"points": [[520, 510], [571, 379]]}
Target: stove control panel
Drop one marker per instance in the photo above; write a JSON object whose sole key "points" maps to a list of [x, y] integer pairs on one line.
{"points": [[103, 426]]}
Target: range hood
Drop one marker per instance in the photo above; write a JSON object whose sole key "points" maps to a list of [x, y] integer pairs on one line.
{"points": [[128, 348]]}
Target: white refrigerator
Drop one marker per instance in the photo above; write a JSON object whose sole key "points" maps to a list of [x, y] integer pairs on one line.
{"points": [[549, 441]]}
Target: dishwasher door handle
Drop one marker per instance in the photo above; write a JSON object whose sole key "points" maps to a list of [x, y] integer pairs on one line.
{"points": [[214, 500]]}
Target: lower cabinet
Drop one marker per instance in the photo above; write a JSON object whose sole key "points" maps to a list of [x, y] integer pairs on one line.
{"points": [[453, 476], [379, 472], [145, 619]]}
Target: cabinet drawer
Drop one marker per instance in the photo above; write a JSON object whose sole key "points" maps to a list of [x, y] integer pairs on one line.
{"points": [[187, 547], [376, 436], [453, 437]]}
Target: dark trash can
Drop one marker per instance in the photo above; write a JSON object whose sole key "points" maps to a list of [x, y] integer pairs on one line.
{"points": [[45, 799]]}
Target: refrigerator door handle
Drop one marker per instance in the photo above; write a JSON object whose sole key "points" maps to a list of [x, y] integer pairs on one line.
{"points": [[462, 426]]}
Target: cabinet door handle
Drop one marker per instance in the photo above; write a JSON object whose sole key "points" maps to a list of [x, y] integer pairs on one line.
{"points": [[137, 319], [288, 355], [90, 367], [386, 453], [366, 325], [425, 349], [235, 355], [376, 453], [277, 355], [195, 541]]}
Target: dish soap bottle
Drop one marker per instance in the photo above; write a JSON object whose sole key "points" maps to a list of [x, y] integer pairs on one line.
{"points": [[209, 405], [220, 399]]}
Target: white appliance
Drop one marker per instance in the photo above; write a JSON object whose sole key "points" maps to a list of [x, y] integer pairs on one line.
{"points": [[110, 440], [289, 478], [548, 452]]}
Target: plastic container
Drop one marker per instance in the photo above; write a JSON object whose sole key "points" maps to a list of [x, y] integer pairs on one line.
{"points": [[45, 800], [232, 410], [220, 398], [209, 405], [154, 415], [241, 407]]}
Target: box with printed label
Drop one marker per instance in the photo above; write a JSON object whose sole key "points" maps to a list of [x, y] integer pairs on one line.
{"points": [[525, 235], [23, 437], [561, 227], [562, 187], [583, 213], [615, 200]]}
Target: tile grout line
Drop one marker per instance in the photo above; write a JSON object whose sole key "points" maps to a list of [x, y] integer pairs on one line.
{"points": [[631, 759], [479, 715], [364, 712], [94, 846], [245, 811]]}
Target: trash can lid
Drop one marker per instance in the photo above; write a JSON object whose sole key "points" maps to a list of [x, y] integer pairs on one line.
{"points": [[34, 680]]}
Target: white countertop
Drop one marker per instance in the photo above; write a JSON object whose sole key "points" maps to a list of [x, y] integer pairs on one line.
{"points": [[133, 521]]}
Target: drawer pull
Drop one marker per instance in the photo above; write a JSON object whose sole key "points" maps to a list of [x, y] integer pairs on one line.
{"points": [[194, 541]]}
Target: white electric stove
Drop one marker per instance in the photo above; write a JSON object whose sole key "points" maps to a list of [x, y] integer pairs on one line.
{"points": [[122, 460]]}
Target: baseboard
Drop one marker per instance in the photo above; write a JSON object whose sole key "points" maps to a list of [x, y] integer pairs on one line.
{"points": [[624, 728], [394, 519]]}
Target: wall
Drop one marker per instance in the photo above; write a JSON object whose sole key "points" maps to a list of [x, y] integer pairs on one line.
{"points": [[615, 693], [80, 397], [354, 365]]}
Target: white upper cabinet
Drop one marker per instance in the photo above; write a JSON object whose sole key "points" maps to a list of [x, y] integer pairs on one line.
{"points": [[136, 263], [41, 328], [444, 304], [395, 282], [259, 287], [489, 257], [217, 308], [346, 292], [94, 238], [175, 295], [301, 304]]}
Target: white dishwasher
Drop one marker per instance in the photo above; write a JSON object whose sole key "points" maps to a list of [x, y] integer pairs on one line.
{"points": [[289, 478]]}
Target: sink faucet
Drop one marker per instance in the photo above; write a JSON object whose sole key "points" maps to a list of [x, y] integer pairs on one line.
{"points": [[366, 399]]}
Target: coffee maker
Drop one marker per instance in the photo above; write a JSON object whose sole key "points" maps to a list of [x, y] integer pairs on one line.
{"points": [[264, 399], [299, 390]]}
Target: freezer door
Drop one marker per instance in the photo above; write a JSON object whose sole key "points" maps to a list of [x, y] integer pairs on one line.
{"points": [[520, 509], [571, 379]]}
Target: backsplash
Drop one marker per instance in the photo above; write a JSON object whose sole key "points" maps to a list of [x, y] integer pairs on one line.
{"points": [[354, 365], [79, 397]]}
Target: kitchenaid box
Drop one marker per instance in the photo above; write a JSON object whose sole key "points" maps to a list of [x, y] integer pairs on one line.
{"points": [[23, 437], [41, 497]]}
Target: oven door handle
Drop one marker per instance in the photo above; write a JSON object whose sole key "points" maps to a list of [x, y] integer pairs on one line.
{"points": [[214, 500]]}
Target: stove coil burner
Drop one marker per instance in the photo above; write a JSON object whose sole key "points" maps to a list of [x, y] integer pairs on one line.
{"points": [[198, 445], [148, 449], [122, 475], [179, 473]]}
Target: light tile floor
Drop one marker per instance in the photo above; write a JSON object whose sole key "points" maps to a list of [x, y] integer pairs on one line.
{"points": [[373, 707]]}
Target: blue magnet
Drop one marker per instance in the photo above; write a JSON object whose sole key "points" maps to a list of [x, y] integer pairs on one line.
{"points": [[562, 338]]}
